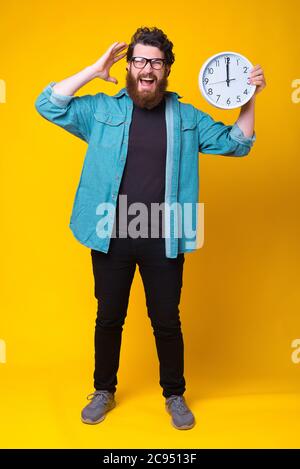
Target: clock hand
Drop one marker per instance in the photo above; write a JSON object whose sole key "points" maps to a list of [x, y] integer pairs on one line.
{"points": [[227, 71], [216, 82]]}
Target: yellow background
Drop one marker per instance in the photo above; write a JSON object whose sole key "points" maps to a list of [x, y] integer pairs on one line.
{"points": [[240, 300]]}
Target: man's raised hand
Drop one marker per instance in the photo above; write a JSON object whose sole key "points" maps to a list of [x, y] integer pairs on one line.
{"points": [[110, 57]]}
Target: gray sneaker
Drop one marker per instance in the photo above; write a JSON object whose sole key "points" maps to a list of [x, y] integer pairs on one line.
{"points": [[95, 411], [182, 417]]}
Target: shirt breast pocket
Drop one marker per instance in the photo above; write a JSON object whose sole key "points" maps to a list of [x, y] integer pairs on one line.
{"points": [[189, 136], [108, 129]]}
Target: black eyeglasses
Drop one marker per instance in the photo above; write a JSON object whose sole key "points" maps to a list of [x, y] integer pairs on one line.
{"points": [[141, 62]]}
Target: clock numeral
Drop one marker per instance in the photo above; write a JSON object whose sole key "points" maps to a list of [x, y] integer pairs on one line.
{"points": [[227, 59], [217, 63], [228, 101], [210, 91], [218, 97], [246, 91], [245, 69], [206, 81], [210, 70], [248, 81], [238, 99], [237, 61]]}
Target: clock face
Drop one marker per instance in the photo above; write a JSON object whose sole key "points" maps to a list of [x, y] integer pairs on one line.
{"points": [[224, 80]]}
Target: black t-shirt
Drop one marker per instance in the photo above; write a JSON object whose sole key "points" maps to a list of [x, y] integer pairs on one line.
{"points": [[143, 178]]}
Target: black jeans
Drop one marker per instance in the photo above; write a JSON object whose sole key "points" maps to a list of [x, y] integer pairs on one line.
{"points": [[162, 280]]}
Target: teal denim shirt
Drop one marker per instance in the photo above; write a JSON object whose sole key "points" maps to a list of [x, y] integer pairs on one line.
{"points": [[103, 122]]}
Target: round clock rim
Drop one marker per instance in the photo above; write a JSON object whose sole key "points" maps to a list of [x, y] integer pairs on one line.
{"points": [[253, 87]]}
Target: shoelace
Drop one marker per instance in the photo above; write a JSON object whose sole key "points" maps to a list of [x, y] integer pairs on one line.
{"points": [[178, 403], [99, 395]]}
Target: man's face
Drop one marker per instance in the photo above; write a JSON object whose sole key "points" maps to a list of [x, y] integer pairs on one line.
{"points": [[146, 93]]}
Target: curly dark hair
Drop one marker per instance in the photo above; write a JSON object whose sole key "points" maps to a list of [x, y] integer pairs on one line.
{"points": [[152, 37]]}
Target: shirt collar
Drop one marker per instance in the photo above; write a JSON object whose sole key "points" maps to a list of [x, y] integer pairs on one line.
{"points": [[124, 91]]}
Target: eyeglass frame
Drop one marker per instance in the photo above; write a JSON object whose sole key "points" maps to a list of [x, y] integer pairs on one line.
{"points": [[148, 60]]}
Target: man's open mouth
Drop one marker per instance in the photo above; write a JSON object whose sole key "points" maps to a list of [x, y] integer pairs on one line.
{"points": [[147, 82]]}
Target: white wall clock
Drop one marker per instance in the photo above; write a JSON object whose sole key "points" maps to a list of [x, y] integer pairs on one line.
{"points": [[224, 80]]}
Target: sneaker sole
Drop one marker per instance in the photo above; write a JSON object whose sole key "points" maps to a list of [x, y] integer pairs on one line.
{"points": [[184, 427], [94, 422]]}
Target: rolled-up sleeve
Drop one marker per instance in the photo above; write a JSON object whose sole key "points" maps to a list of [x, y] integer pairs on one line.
{"points": [[219, 139], [72, 113]]}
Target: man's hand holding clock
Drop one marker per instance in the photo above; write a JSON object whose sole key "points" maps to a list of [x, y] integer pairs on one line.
{"points": [[257, 78]]}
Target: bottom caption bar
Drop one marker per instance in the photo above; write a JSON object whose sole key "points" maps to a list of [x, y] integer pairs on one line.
{"points": [[142, 457]]}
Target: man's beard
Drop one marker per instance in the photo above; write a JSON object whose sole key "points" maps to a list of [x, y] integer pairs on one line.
{"points": [[146, 99]]}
